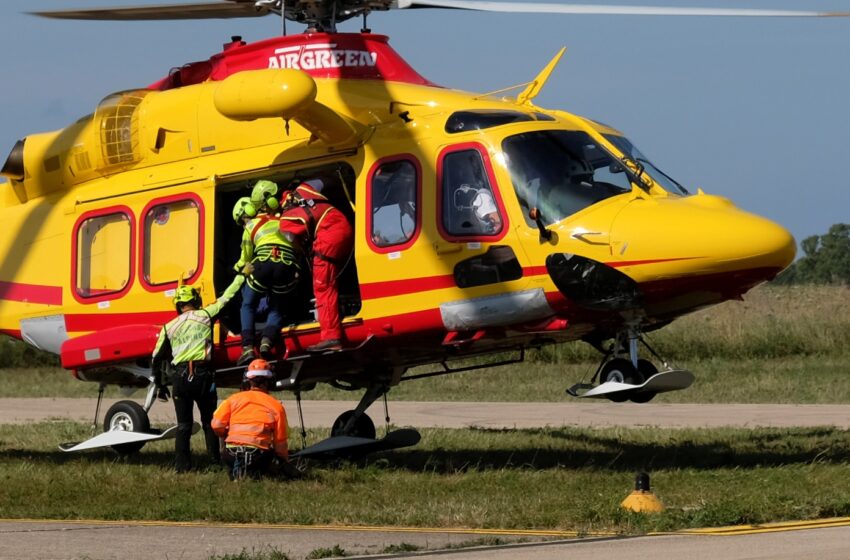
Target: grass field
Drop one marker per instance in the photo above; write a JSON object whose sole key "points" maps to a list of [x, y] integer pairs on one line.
{"points": [[569, 479], [783, 345]]}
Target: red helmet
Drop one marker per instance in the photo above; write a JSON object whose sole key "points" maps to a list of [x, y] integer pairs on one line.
{"points": [[259, 368]]}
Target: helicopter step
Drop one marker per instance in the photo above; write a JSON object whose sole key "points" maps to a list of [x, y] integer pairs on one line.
{"points": [[300, 354], [122, 437], [336, 447], [662, 382]]}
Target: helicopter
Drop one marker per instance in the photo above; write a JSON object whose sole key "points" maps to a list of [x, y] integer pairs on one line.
{"points": [[589, 239]]}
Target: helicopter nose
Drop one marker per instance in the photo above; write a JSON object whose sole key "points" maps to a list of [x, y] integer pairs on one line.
{"points": [[761, 243], [704, 235]]}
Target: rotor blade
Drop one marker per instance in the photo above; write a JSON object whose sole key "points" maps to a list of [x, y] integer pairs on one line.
{"points": [[166, 11], [598, 9]]}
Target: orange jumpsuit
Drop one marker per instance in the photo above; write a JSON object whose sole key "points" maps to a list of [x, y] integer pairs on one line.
{"points": [[332, 241], [255, 419]]}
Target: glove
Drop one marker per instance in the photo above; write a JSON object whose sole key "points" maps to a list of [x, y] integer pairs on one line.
{"points": [[162, 393], [248, 269]]}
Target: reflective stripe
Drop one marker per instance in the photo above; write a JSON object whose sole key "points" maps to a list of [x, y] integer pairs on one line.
{"points": [[252, 418], [190, 336]]}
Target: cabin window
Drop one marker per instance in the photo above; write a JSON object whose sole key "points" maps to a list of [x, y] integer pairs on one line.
{"points": [[171, 242], [469, 206], [395, 219], [103, 255]]}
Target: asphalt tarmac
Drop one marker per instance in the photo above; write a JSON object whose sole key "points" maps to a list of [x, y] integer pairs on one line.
{"points": [[39, 540], [599, 414]]}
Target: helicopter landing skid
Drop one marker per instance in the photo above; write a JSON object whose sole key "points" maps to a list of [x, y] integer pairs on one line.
{"points": [[663, 382], [122, 437], [337, 447]]}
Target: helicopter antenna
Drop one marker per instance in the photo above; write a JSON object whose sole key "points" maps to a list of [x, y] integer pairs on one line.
{"points": [[537, 84], [503, 90], [276, 7]]}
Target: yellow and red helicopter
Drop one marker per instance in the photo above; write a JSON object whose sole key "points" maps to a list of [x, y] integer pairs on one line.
{"points": [[588, 239]]}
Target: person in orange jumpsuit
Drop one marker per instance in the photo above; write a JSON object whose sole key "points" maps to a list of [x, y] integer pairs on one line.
{"points": [[253, 426], [310, 219]]}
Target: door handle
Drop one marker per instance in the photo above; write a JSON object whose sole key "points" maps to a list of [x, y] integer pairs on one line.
{"points": [[447, 248]]}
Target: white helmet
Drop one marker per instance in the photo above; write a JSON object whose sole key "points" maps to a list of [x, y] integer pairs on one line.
{"points": [[258, 368]]}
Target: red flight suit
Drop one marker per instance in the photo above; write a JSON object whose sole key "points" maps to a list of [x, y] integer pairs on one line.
{"points": [[311, 216]]}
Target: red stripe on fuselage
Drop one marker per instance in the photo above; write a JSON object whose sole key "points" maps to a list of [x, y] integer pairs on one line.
{"points": [[80, 322], [406, 286], [30, 293], [618, 264], [11, 332], [377, 290]]}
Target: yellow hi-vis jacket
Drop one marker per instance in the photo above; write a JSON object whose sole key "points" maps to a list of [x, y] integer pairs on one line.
{"points": [[263, 240], [188, 337], [253, 418]]}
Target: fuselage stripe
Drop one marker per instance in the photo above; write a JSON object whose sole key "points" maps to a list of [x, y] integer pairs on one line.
{"points": [[376, 290], [30, 293]]}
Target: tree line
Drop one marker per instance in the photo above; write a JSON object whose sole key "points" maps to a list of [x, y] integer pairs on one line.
{"points": [[826, 259]]}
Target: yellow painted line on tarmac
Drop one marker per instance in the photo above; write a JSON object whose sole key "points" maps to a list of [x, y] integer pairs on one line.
{"points": [[354, 528], [708, 531], [768, 527]]}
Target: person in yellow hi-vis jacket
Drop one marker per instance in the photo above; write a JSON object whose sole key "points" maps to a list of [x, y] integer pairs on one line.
{"points": [[276, 262], [187, 341]]}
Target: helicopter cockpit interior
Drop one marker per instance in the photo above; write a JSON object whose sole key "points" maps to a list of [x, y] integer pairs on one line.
{"points": [[561, 172]]}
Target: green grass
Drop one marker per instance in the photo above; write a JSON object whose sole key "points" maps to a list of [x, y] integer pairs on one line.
{"points": [[263, 554], [568, 479], [400, 548], [333, 552]]}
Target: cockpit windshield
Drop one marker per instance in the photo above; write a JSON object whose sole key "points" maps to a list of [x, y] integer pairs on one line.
{"points": [[560, 172], [668, 183]]}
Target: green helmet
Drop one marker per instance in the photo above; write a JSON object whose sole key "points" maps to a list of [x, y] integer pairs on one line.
{"points": [[243, 207], [265, 193], [184, 295]]}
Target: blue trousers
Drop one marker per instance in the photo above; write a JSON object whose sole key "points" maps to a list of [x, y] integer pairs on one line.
{"points": [[272, 279]]}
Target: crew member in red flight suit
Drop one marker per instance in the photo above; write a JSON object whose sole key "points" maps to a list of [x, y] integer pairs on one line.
{"points": [[307, 215]]}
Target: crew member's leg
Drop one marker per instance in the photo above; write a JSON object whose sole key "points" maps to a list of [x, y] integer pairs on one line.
{"points": [[207, 400], [327, 299], [260, 463], [183, 404], [250, 301], [331, 250], [284, 280]]}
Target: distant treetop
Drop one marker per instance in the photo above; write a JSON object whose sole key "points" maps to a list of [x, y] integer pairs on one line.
{"points": [[826, 260]]}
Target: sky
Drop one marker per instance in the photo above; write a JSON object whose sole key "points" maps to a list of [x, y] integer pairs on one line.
{"points": [[752, 109]]}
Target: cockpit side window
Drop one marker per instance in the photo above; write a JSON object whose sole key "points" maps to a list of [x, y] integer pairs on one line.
{"points": [[470, 208]]}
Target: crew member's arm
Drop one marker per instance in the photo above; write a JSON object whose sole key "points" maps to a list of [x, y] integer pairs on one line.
{"points": [[247, 254], [221, 419], [215, 308], [294, 229], [161, 355], [281, 445]]}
